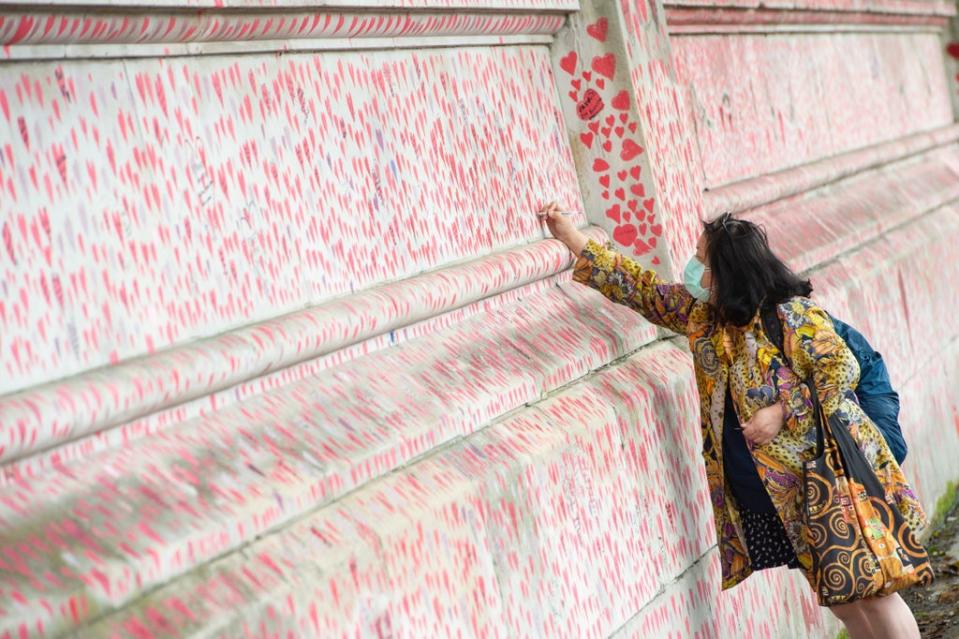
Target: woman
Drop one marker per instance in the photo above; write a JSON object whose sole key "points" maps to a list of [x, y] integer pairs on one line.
{"points": [[756, 416]]}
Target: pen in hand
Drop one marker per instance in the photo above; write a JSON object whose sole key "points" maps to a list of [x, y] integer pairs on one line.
{"points": [[561, 227]]}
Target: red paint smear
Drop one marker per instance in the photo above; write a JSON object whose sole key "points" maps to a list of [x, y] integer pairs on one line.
{"points": [[111, 158], [180, 607], [23, 29], [137, 629], [51, 20], [161, 96]]}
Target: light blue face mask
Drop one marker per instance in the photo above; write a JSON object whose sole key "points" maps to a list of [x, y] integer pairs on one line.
{"points": [[692, 276]]}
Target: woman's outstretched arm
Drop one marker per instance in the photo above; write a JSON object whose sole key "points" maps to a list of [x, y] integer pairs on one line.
{"points": [[620, 278]]}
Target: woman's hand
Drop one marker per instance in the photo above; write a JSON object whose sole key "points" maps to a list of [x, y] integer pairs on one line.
{"points": [[562, 228], [765, 424]]}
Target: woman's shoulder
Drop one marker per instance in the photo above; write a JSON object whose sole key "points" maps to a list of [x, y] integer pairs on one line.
{"points": [[799, 310]]}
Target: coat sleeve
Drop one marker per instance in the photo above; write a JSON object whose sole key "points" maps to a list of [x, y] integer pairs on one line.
{"points": [[624, 281], [816, 351]]}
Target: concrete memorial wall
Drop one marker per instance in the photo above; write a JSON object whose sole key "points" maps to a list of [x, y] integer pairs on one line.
{"points": [[285, 352]]}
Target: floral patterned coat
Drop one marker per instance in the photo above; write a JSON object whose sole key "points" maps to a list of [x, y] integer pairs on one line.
{"points": [[746, 360]]}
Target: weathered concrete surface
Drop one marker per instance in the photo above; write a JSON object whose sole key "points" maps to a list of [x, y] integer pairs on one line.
{"points": [[155, 201], [53, 414], [785, 113], [286, 353]]}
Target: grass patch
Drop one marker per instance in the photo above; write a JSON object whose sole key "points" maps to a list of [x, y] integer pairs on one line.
{"points": [[943, 506], [842, 634], [945, 503]]}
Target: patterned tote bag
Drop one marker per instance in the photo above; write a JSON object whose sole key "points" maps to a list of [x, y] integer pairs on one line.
{"points": [[860, 544]]}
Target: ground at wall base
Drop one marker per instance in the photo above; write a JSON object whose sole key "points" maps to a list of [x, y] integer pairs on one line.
{"points": [[936, 606]]}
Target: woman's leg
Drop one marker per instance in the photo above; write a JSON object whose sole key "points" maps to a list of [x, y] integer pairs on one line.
{"points": [[878, 618], [891, 617], [854, 616]]}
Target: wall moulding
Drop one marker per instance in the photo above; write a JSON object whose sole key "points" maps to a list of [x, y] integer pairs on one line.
{"points": [[312, 5], [755, 192], [690, 20], [836, 16], [188, 49], [896, 7], [79, 33], [66, 409]]}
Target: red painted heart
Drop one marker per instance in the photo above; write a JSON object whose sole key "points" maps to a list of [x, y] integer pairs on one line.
{"points": [[601, 83], [600, 165], [606, 130], [574, 95], [632, 127], [641, 247], [605, 65], [637, 188], [632, 204], [625, 234], [655, 259], [626, 215], [568, 62], [608, 146], [635, 171], [623, 117], [598, 29], [630, 150], [656, 229], [648, 204], [613, 213], [621, 101], [652, 241], [587, 139], [642, 229], [621, 175], [576, 83], [605, 195], [594, 126], [604, 180], [587, 75], [619, 131], [591, 105], [620, 193], [610, 119], [24, 131]]}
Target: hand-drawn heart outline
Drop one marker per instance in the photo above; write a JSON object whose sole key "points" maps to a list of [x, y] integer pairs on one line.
{"points": [[630, 150], [568, 62], [598, 29], [605, 65]]}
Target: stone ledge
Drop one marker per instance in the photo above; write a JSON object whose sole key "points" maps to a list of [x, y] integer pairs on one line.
{"points": [[767, 189], [210, 484], [56, 413], [467, 538], [814, 227], [902, 7]]}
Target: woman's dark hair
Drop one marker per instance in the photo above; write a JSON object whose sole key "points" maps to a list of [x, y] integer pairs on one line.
{"points": [[746, 273]]}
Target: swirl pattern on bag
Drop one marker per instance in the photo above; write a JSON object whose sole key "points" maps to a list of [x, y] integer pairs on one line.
{"points": [[861, 545]]}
